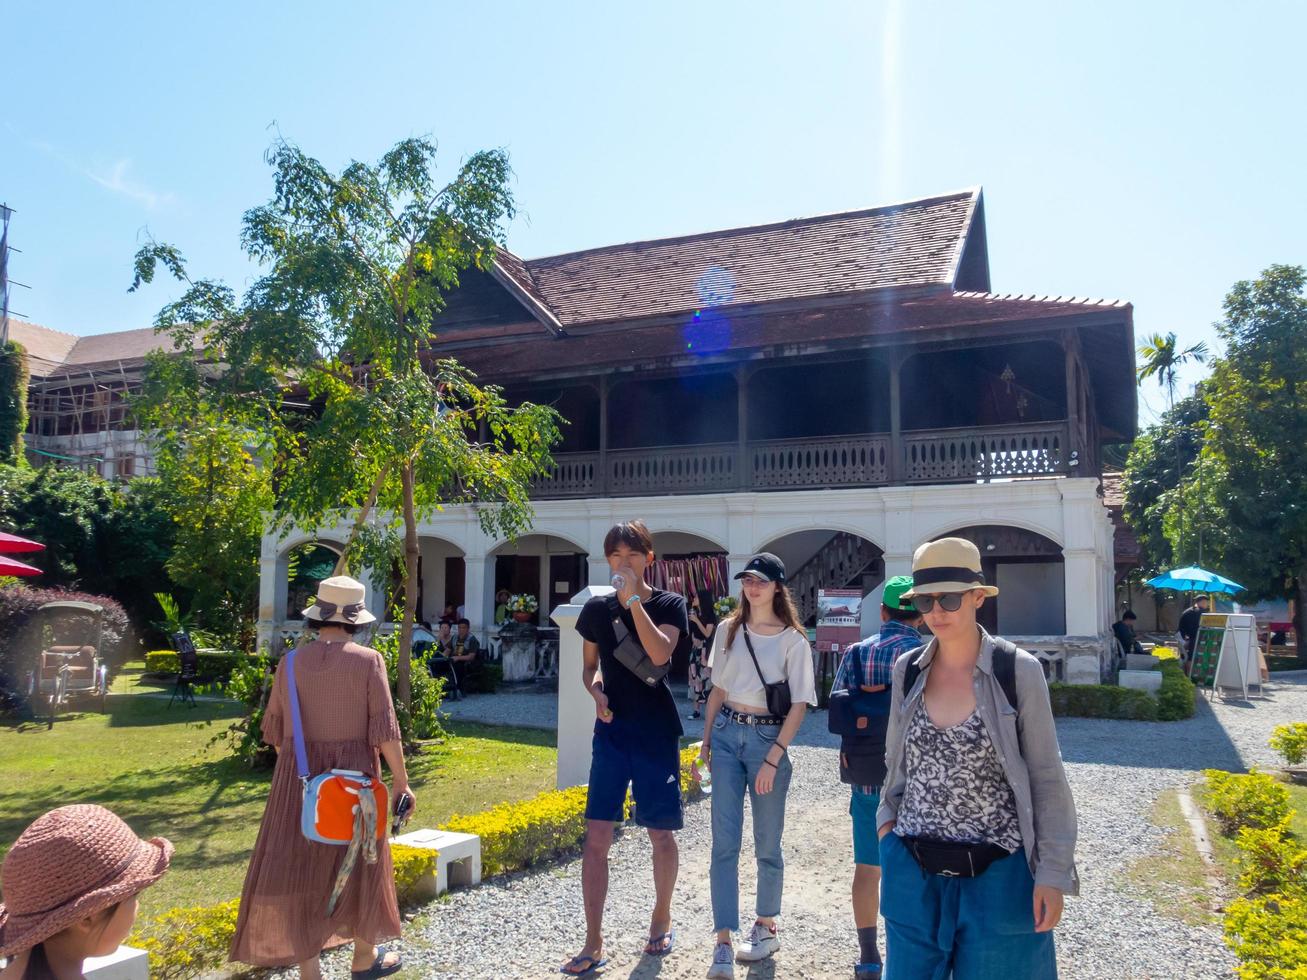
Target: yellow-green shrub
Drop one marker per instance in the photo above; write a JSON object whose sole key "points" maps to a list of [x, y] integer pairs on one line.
{"points": [[1166, 653], [689, 788], [518, 835], [188, 942], [1270, 861], [1255, 800], [1269, 935], [411, 865], [1291, 742]]}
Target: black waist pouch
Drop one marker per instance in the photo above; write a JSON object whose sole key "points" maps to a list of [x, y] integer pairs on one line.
{"points": [[952, 859]]}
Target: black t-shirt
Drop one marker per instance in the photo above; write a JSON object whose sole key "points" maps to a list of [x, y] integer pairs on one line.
{"points": [[631, 699], [1189, 621]]}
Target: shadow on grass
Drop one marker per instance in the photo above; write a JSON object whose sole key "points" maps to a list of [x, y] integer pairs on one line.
{"points": [[502, 733]]}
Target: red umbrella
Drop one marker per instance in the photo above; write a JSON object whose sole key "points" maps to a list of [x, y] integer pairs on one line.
{"points": [[10, 567], [12, 544]]}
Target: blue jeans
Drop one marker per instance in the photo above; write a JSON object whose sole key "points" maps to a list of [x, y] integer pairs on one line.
{"points": [[965, 928], [738, 751]]}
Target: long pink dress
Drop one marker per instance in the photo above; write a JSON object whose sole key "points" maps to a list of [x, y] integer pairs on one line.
{"points": [[346, 710]]}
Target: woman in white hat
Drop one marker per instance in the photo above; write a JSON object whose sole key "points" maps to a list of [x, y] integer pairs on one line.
{"points": [[70, 884], [977, 822], [348, 722]]}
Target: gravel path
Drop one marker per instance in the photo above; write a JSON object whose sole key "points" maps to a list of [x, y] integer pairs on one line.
{"points": [[525, 925]]}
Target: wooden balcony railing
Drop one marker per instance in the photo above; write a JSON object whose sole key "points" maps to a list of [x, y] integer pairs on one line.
{"points": [[926, 456]]}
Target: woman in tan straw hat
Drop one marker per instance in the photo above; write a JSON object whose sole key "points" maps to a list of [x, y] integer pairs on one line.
{"points": [[70, 884], [977, 823], [348, 722]]}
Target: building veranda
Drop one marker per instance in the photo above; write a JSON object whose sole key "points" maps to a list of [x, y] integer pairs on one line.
{"points": [[837, 390]]}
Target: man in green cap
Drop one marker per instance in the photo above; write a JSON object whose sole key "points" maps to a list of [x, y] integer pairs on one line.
{"points": [[868, 667]]}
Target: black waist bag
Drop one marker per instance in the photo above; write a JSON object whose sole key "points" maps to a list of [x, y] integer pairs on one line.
{"points": [[951, 859], [630, 654]]}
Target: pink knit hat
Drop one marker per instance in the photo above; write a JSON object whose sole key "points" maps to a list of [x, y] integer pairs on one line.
{"points": [[69, 864]]}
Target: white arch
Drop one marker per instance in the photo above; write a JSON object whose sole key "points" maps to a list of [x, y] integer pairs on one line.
{"points": [[992, 521], [292, 543], [427, 536], [567, 536], [692, 532], [819, 525]]}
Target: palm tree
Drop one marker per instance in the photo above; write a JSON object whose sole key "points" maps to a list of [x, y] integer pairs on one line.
{"points": [[1159, 359]]}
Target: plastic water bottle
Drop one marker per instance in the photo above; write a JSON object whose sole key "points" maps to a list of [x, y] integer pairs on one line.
{"points": [[704, 775], [618, 582]]}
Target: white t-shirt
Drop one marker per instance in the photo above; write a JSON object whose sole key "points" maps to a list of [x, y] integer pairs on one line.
{"points": [[783, 656]]}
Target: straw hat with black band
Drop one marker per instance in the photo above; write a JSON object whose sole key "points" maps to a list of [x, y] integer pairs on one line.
{"points": [[68, 865], [947, 565]]}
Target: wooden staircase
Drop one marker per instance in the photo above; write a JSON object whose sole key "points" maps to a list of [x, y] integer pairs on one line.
{"points": [[840, 564]]}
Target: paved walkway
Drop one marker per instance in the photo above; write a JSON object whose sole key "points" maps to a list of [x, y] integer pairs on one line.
{"points": [[524, 925]]}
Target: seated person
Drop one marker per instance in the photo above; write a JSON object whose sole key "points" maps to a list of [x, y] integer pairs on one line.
{"points": [[424, 641], [1124, 630], [450, 615], [501, 607], [441, 659]]}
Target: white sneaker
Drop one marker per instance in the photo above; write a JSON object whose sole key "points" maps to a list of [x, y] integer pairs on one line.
{"points": [[723, 963], [763, 942]]}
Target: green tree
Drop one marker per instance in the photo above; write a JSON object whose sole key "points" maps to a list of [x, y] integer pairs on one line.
{"points": [[1245, 484], [1158, 461], [13, 403], [326, 360]]}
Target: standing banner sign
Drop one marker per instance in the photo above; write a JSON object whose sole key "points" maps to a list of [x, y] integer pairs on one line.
{"points": [[839, 626], [1207, 649], [1238, 666]]}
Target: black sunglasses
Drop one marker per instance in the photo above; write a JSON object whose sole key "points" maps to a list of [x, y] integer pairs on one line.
{"points": [[949, 602]]}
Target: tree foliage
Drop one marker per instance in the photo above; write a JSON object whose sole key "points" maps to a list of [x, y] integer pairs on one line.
{"points": [[1160, 459], [13, 403], [1245, 486], [326, 360]]}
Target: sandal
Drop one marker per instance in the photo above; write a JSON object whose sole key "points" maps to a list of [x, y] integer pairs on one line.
{"points": [[378, 967], [655, 947], [573, 968]]}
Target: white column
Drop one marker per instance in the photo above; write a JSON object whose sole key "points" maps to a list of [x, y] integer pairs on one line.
{"points": [[576, 713], [1083, 588], [273, 589], [600, 573], [478, 592]]}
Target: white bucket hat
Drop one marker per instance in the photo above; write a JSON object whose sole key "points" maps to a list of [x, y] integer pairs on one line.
{"points": [[947, 565], [340, 600]]}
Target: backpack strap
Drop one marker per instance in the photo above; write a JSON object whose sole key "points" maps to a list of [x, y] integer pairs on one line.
{"points": [[615, 614], [1004, 665], [296, 726]]}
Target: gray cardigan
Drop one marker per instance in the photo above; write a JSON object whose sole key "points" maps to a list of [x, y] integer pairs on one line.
{"points": [[1027, 750]]}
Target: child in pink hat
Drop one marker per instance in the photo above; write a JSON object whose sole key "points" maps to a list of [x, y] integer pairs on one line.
{"points": [[69, 885]]}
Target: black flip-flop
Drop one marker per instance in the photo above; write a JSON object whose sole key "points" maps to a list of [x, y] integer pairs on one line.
{"points": [[575, 961], [378, 967]]}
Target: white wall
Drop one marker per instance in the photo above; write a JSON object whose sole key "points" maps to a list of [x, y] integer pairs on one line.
{"points": [[897, 519]]}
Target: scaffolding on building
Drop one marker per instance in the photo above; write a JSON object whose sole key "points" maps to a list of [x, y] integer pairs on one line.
{"points": [[82, 417]]}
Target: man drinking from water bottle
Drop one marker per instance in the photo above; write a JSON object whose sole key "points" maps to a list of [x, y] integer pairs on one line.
{"points": [[637, 735]]}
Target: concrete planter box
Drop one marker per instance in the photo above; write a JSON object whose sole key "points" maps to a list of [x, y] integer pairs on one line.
{"points": [[1146, 661], [459, 862], [1141, 680], [124, 963]]}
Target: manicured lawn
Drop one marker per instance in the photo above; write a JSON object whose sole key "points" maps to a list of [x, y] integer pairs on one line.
{"points": [[154, 767]]}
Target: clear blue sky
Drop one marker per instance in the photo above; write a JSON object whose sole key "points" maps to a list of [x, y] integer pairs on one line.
{"points": [[1147, 151]]}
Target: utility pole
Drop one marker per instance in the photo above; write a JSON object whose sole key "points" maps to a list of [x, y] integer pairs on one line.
{"points": [[5, 282]]}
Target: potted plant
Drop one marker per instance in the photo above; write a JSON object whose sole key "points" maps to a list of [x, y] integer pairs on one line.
{"points": [[724, 606], [523, 607]]}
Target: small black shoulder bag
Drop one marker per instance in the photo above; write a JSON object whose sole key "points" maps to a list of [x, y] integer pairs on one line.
{"points": [[778, 694]]}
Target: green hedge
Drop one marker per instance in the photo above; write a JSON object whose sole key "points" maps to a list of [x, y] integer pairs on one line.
{"points": [[212, 666], [1174, 701], [484, 681]]}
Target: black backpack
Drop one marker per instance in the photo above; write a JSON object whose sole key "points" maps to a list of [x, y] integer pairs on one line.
{"points": [[1005, 670]]}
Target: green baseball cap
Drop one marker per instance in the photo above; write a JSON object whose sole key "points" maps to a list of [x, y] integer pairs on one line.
{"points": [[893, 595]]}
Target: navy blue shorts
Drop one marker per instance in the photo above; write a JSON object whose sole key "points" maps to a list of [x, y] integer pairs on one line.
{"points": [[649, 765]]}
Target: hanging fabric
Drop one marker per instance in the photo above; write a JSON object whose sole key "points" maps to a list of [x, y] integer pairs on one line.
{"points": [[711, 573]]}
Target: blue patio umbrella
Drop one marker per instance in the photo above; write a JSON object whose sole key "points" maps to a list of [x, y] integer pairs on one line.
{"points": [[1194, 579]]}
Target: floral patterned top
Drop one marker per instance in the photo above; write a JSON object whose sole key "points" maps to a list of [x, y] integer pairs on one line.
{"points": [[956, 790]]}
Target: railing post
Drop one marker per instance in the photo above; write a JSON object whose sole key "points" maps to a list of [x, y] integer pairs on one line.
{"points": [[743, 471], [601, 468], [897, 460], [1069, 345]]}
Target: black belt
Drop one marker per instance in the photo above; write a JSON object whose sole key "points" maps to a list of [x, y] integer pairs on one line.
{"points": [[744, 718]]}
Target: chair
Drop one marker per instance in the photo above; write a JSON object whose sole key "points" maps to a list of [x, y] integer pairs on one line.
{"points": [[188, 669]]}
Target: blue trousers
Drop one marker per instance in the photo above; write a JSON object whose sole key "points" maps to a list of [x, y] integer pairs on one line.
{"points": [[965, 928], [737, 754]]}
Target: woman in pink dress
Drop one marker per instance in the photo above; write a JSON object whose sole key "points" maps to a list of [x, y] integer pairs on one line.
{"points": [[348, 722]]}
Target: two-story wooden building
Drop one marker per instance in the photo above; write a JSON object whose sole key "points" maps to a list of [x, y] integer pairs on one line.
{"points": [[836, 389]]}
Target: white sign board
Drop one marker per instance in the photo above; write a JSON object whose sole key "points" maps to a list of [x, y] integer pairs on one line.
{"points": [[1238, 667]]}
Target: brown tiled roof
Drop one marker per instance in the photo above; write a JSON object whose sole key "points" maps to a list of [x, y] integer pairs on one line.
{"points": [[46, 348], [53, 352], [918, 243]]}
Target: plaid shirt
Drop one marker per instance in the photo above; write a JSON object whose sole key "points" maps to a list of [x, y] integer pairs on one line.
{"points": [[871, 662]]}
